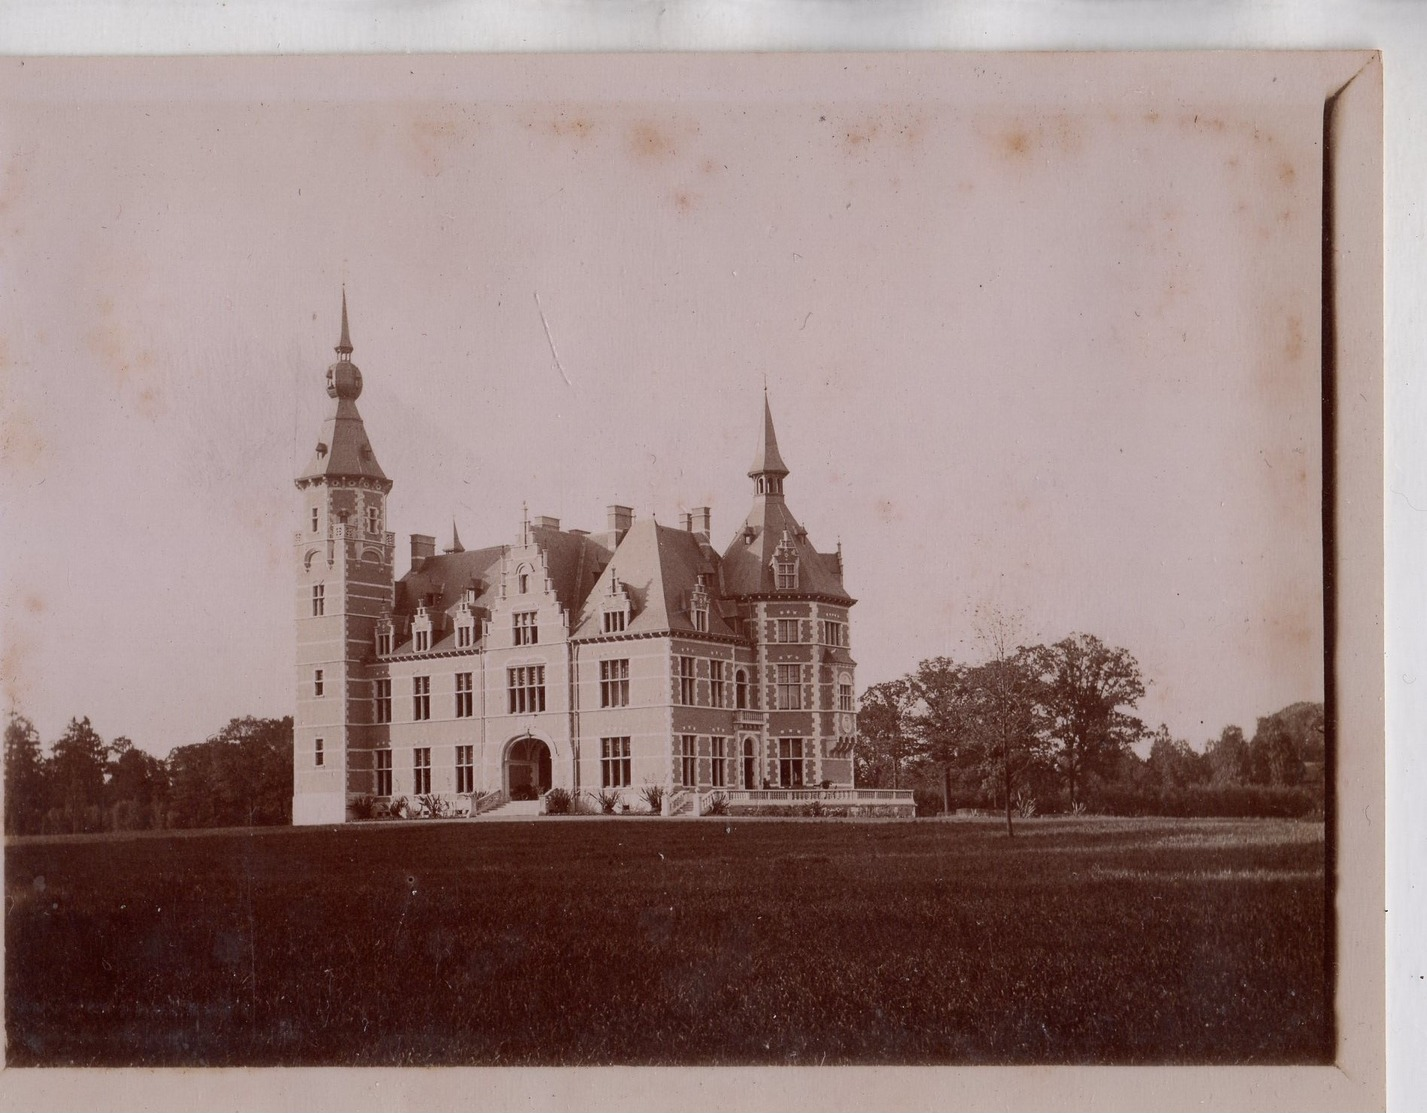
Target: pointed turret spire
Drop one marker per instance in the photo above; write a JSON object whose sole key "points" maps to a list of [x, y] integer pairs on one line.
{"points": [[768, 468], [344, 345], [455, 546]]}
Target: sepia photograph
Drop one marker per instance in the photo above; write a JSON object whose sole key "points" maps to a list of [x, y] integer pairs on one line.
{"points": [[700, 561]]}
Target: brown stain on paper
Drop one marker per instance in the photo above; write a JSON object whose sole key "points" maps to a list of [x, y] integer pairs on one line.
{"points": [[647, 140], [133, 368]]}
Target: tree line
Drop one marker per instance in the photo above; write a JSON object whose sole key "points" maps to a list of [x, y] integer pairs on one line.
{"points": [[1051, 728], [241, 776]]}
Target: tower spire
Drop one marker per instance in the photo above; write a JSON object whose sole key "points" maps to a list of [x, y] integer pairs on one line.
{"points": [[344, 345], [455, 546], [768, 468]]}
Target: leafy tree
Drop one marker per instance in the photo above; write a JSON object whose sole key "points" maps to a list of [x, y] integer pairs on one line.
{"points": [[1089, 690], [77, 778], [1174, 763], [26, 790], [887, 743], [1273, 753], [1003, 719], [1228, 757], [241, 776], [137, 786]]}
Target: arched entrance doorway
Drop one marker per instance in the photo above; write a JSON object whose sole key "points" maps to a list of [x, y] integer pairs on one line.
{"points": [[527, 765]]}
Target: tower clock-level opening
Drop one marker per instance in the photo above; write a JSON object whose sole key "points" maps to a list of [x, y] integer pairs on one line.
{"points": [[527, 767]]}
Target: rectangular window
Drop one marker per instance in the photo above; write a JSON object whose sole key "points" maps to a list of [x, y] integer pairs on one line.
{"points": [[316, 682], [420, 697], [319, 600], [716, 683], [374, 519], [526, 688], [463, 695], [614, 762], [834, 632], [384, 643], [790, 762], [317, 754], [686, 681], [314, 519], [844, 697], [526, 632], [688, 760], [788, 630], [463, 636], [423, 640], [614, 683], [700, 616], [790, 688], [716, 748], [613, 622], [787, 575], [421, 770], [465, 769], [383, 773], [382, 711]]}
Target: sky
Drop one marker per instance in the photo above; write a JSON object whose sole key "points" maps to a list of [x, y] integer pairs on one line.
{"points": [[1031, 340]]}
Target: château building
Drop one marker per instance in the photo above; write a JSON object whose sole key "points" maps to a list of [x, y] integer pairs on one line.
{"points": [[635, 655]]}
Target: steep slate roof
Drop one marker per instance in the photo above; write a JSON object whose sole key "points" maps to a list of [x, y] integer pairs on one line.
{"points": [[349, 453], [449, 575], [748, 565], [659, 566], [767, 459]]}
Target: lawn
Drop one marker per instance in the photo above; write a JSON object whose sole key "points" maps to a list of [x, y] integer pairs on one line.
{"points": [[672, 941]]}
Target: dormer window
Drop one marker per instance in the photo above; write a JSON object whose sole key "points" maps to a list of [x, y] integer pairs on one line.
{"points": [[785, 565], [699, 606], [423, 640], [613, 622], [522, 582], [614, 610], [384, 640]]}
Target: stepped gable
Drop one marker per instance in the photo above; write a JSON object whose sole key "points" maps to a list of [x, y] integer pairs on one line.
{"points": [[659, 566]]}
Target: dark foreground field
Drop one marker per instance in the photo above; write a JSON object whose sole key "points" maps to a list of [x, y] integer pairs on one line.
{"points": [[648, 941]]}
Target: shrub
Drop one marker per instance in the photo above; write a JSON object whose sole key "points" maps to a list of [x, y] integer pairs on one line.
{"points": [[654, 797], [717, 804], [363, 806], [607, 799], [524, 792], [928, 801], [559, 801], [398, 807], [1206, 801], [814, 809], [435, 805], [1025, 804]]}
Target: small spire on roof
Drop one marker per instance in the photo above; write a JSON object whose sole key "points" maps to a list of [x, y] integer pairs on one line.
{"points": [[768, 462], [455, 546], [344, 345]]}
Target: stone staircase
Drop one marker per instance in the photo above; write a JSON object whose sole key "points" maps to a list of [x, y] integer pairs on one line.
{"points": [[513, 809]]}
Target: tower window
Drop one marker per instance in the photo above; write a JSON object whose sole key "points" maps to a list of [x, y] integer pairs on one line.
{"points": [[465, 769], [614, 683], [381, 711], [788, 630], [688, 761], [790, 688], [463, 695], [614, 762], [314, 519], [420, 697], [319, 600], [527, 632], [790, 762], [317, 684], [844, 697], [374, 519], [421, 770], [317, 754]]}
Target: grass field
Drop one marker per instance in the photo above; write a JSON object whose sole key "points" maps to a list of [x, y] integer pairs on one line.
{"points": [[653, 941]]}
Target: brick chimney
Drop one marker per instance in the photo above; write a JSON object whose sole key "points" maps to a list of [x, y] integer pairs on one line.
{"points": [[703, 521], [620, 519], [422, 546]]}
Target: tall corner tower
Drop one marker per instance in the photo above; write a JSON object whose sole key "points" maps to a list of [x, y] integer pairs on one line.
{"points": [[796, 609], [343, 556]]}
